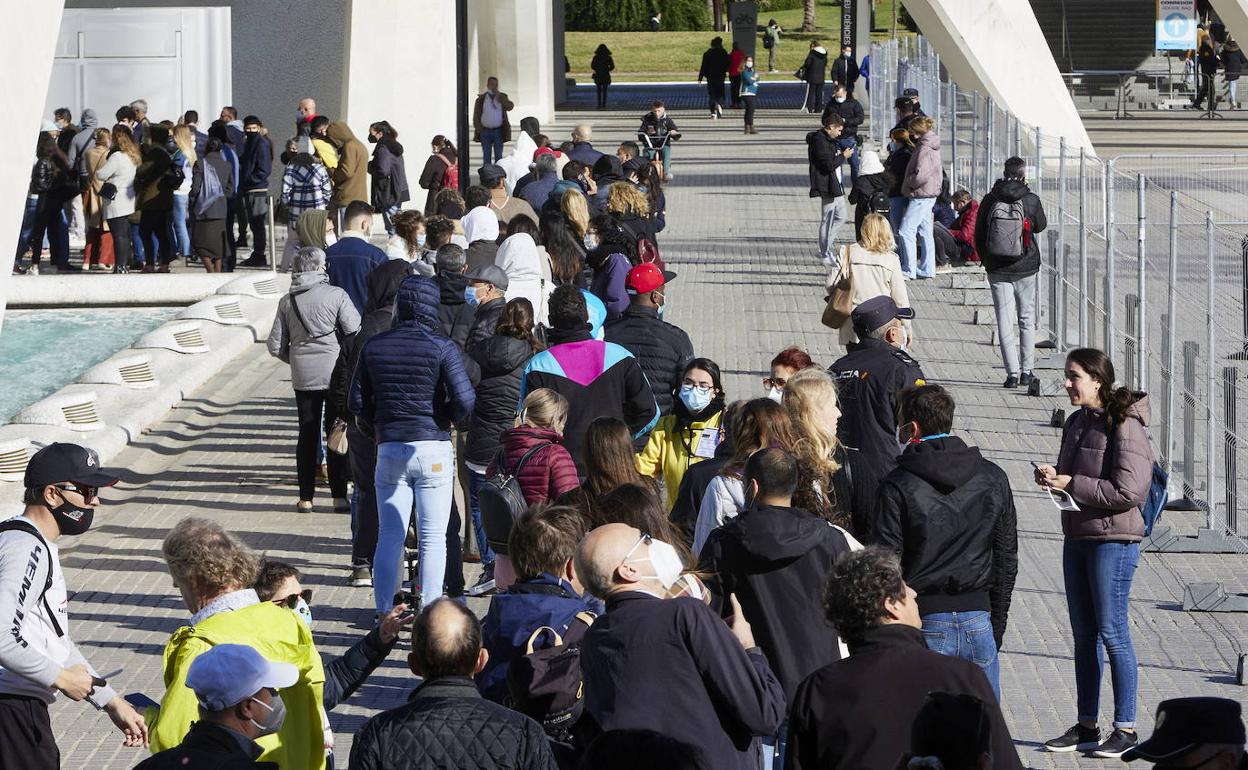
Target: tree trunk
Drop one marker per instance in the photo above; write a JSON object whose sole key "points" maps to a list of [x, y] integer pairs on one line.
{"points": [[808, 17]]}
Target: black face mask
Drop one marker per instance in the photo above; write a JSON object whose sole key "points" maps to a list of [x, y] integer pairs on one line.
{"points": [[372, 139], [72, 519]]}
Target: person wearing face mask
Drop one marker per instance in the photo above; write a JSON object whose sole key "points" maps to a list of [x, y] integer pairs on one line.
{"points": [[487, 292], [237, 692], [748, 90], [214, 571], [787, 362], [388, 171], [656, 134], [38, 658], [663, 349], [845, 70], [850, 111], [716, 691], [305, 187], [691, 433], [610, 253]]}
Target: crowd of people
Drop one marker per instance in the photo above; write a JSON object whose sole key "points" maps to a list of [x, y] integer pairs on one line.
{"points": [[817, 574]]}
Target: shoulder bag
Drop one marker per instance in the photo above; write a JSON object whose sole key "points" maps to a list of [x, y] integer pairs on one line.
{"points": [[841, 298]]}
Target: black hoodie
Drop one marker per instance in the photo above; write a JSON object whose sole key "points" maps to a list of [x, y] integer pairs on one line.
{"points": [[771, 559], [1011, 268], [950, 514], [389, 174], [500, 361]]}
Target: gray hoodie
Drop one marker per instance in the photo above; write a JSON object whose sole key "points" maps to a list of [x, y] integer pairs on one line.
{"points": [[83, 140], [311, 350]]}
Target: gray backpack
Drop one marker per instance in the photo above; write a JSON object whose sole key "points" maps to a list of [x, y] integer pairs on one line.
{"points": [[1006, 226], [210, 189]]}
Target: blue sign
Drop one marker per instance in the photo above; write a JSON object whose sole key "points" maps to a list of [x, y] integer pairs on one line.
{"points": [[1176, 25]]}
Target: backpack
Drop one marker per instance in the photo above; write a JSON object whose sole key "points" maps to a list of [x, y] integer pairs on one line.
{"points": [[501, 499], [648, 251], [1157, 498], [450, 176], [879, 204], [25, 526], [768, 40], [1006, 226], [210, 189], [546, 682]]}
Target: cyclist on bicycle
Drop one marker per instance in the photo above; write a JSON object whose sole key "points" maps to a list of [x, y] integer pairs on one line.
{"points": [[656, 134]]}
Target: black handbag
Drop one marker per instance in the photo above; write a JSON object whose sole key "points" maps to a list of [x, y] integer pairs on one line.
{"points": [[108, 191]]}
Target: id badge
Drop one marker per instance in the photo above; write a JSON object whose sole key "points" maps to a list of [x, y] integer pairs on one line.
{"points": [[708, 440]]}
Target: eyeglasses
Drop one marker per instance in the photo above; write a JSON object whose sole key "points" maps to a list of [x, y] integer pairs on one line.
{"points": [[88, 493], [645, 538], [293, 600], [774, 382], [688, 383]]}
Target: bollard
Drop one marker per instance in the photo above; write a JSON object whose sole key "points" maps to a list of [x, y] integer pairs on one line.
{"points": [[1131, 342], [976, 151], [1211, 382], [1141, 282], [1243, 282], [272, 237], [1111, 288], [1083, 248], [1230, 376]]}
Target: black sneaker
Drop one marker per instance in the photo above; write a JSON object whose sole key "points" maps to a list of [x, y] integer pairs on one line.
{"points": [[1077, 738], [1025, 379], [1011, 381], [1118, 743], [485, 585]]}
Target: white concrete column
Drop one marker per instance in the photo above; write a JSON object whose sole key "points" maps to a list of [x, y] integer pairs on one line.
{"points": [[28, 42], [513, 40], [400, 67], [997, 48], [1234, 14]]}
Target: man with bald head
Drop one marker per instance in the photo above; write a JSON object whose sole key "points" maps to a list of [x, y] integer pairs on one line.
{"points": [[670, 665], [303, 116], [446, 716]]}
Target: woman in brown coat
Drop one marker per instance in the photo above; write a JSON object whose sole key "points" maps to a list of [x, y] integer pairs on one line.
{"points": [[98, 254], [1105, 466]]}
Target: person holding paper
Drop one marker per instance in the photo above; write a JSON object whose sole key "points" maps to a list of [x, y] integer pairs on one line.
{"points": [[1105, 465]]}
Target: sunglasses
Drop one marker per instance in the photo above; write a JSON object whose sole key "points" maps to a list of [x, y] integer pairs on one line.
{"points": [[88, 493], [293, 600], [774, 382]]}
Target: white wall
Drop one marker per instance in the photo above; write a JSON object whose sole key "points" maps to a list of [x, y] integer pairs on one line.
{"points": [[513, 39], [997, 48], [1234, 14]]}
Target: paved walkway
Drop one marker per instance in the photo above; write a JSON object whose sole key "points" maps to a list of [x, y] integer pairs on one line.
{"points": [[741, 235]]}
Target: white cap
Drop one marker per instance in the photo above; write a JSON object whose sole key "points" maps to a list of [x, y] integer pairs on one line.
{"points": [[229, 674]]}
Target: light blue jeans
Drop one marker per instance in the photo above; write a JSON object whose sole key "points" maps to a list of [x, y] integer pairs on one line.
{"points": [[181, 235], [916, 231], [422, 472], [966, 635]]}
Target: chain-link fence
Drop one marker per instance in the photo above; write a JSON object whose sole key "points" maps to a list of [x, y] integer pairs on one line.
{"points": [[1144, 256]]}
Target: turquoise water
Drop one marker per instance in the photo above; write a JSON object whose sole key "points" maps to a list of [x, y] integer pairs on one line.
{"points": [[41, 351]]}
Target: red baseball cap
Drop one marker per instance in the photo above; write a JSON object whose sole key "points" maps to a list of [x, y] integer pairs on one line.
{"points": [[540, 151], [647, 277]]}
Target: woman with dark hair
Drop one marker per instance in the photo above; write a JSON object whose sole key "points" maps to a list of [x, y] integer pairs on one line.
{"points": [[388, 172], [638, 506], [787, 362], [651, 183], [609, 463], [212, 186], [612, 253], [602, 65], [54, 181], [691, 432], [1105, 466], [566, 252], [440, 172], [449, 203]]}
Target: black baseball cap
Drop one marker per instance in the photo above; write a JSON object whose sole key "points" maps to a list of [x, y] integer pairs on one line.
{"points": [[877, 311], [58, 463], [1185, 723], [491, 173], [913, 93]]}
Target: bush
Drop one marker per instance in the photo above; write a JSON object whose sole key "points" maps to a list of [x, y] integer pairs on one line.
{"points": [[766, 6], [634, 15]]}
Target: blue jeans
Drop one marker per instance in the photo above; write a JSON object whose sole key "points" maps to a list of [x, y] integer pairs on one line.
{"points": [[774, 747], [475, 482], [387, 218], [491, 142], [181, 235], [422, 472], [966, 635], [855, 160], [1098, 588], [916, 224], [136, 244], [28, 228]]}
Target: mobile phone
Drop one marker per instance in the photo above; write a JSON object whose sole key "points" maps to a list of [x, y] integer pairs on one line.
{"points": [[141, 701], [1035, 465]]}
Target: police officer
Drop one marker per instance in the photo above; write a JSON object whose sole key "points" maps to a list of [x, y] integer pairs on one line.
{"points": [[1195, 732], [868, 381]]}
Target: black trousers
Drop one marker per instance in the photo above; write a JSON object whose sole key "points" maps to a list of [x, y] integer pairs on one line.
{"points": [[258, 224], [715, 93], [814, 97], [316, 415], [946, 245], [363, 458], [26, 740], [602, 93], [123, 250], [749, 109], [734, 82]]}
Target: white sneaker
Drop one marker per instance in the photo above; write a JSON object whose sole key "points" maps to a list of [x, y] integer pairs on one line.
{"points": [[34, 269]]}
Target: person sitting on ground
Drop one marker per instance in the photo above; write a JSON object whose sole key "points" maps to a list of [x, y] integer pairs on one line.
{"points": [[691, 433], [874, 269], [545, 593], [213, 570], [609, 464], [446, 715], [352, 257], [768, 558], [850, 714], [599, 379], [662, 349], [236, 691], [717, 691], [949, 515], [1195, 732], [963, 229]]}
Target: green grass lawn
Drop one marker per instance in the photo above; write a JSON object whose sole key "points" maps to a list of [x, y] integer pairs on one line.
{"points": [[676, 55]]}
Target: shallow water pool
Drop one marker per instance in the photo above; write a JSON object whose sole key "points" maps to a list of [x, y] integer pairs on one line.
{"points": [[41, 351]]}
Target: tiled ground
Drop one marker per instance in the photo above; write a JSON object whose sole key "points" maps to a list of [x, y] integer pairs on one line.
{"points": [[741, 234]]}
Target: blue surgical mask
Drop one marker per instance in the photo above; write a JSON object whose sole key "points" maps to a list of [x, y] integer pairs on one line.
{"points": [[470, 296], [420, 240], [695, 399], [304, 611]]}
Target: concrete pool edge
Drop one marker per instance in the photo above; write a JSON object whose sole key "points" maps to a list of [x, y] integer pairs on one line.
{"points": [[124, 404], [110, 290]]}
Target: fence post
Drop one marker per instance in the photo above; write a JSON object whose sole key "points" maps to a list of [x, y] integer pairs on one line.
{"points": [[1211, 382], [1141, 345], [976, 151], [1172, 308], [1018, 138], [1040, 276], [989, 156], [953, 137], [1083, 247], [1111, 293], [272, 237], [1191, 351], [1230, 376], [1039, 180], [1132, 304], [1061, 235]]}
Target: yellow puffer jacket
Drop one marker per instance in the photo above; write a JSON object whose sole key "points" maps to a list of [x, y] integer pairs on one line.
{"points": [[277, 634], [671, 452]]}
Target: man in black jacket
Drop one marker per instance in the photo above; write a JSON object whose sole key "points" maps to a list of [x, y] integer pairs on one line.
{"points": [[852, 116], [454, 311], [856, 712], [845, 69], [489, 286], [1009, 218], [949, 514], [715, 65], [670, 665], [446, 716], [662, 349], [824, 156]]}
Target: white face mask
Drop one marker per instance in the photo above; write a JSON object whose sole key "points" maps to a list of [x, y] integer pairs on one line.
{"points": [[591, 242], [839, 99], [666, 562], [330, 239], [775, 394]]}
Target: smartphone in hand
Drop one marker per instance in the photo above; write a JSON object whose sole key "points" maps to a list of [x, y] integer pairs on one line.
{"points": [[140, 701]]}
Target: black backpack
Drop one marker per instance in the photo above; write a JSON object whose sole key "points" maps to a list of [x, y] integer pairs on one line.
{"points": [[501, 500], [25, 526], [546, 683]]}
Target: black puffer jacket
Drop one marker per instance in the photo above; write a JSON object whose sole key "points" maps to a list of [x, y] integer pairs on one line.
{"points": [[500, 360], [949, 514], [895, 166], [1011, 268], [484, 321], [824, 158], [383, 288], [448, 724], [453, 310], [661, 348], [865, 186]]}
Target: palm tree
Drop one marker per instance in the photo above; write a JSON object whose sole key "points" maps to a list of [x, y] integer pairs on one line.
{"points": [[808, 17]]}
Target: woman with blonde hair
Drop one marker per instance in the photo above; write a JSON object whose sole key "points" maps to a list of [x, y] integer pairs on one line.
{"points": [[98, 253], [630, 209], [824, 478], [575, 211], [116, 178], [875, 269], [184, 140]]}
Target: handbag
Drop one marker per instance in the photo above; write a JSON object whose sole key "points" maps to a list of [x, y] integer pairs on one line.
{"points": [[108, 191], [336, 441], [841, 298], [801, 73]]}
